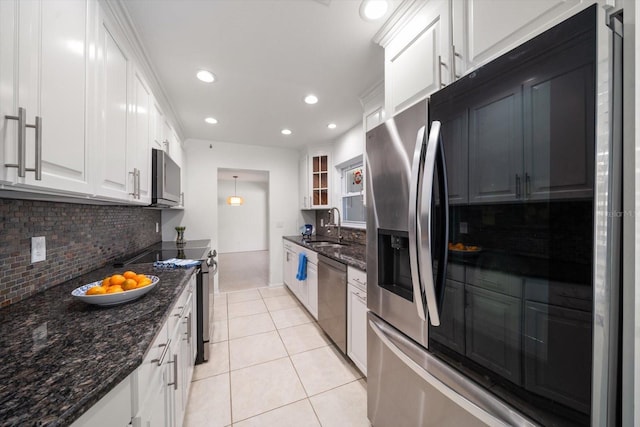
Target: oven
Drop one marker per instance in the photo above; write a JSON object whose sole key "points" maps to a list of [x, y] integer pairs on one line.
{"points": [[196, 250]]}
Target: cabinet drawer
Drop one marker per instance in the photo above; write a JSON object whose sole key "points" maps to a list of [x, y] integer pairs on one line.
{"points": [[312, 256], [179, 307], [357, 278], [495, 281]]}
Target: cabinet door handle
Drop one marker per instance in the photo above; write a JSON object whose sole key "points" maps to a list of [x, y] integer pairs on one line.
{"points": [[453, 63], [189, 328], [527, 184], [133, 176], [175, 372], [518, 192], [22, 145], [440, 64], [160, 361]]}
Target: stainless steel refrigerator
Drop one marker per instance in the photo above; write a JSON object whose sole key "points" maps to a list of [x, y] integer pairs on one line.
{"points": [[492, 254]]}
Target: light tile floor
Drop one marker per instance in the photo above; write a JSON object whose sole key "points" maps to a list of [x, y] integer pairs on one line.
{"points": [[271, 365]]}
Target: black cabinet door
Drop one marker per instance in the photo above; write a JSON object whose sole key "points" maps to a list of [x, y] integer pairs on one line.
{"points": [[495, 145], [493, 323], [450, 333], [455, 139], [557, 344], [559, 134]]}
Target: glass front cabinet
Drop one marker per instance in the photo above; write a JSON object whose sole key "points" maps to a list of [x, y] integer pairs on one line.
{"points": [[320, 179]]}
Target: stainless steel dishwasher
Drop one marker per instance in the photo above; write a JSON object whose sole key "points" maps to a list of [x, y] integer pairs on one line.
{"points": [[332, 300]]}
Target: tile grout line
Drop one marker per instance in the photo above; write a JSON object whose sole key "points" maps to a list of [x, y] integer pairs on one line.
{"points": [[297, 373], [229, 362]]}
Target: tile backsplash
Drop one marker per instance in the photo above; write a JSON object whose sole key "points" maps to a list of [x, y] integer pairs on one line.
{"points": [[349, 234], [79, 238]]}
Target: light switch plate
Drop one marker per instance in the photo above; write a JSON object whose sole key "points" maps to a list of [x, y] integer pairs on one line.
{"points": [[38, 249]]}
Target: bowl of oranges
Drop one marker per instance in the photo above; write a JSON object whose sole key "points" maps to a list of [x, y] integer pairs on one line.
{"points": [[116, 289]]}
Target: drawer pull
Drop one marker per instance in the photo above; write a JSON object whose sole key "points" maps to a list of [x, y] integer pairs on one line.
{"points": [[162, 355]]}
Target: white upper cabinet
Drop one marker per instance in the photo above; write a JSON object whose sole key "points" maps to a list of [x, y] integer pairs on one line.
{"points": [[435, 42], [110, 159], [303, 182], [140, 166], [483, 30], [156, 125], [46, 63], [417, 56], [70, 72]]}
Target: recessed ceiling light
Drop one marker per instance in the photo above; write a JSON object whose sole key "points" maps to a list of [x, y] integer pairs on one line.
{"points": [[371, 10], [331, 126], [205, 76], [211, 120], [311, 99], [285, 132]]}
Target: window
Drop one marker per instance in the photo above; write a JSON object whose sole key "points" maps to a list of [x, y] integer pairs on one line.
{"points": [[353, 211]]}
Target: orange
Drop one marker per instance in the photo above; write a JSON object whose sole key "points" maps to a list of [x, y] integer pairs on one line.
{"points": [[144, 282], [96, 290], [129, 284], [106, 282], [114, 289], [140, 277], [117, 279], [129, 274]]}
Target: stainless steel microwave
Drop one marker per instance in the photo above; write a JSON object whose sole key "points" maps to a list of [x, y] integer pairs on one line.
{"points": [[165, 178]]}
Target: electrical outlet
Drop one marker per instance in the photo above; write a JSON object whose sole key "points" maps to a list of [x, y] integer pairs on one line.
{"points": [[157, 227], [38, 249], [321, 222], [464, 228], [40, 337]]}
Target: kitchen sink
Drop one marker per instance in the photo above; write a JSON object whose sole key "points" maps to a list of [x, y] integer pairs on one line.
{"points": [[326, 244]]}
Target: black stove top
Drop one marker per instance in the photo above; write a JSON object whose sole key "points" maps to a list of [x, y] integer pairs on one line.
{"points": [[195, 249]]}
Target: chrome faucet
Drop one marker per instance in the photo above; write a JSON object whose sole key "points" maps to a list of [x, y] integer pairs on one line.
{"points": [[334, 222]]}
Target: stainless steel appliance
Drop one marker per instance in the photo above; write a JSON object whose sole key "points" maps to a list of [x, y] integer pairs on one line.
{"points": [[492, 254], [332, 300], [196, 250], [165, 179]]}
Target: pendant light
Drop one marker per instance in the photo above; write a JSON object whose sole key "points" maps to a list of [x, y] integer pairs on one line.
{"points": [[235, 200]]}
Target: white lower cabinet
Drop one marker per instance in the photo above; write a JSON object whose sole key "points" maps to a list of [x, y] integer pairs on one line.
{"points": [[112, 410], [305, 290], [312, 284], [357, 318], [160, 386]]}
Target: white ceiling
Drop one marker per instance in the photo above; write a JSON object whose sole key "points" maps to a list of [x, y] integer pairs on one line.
{"points": [[267, 55]]}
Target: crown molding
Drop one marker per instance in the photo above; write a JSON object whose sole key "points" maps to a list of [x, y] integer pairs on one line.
{"points": [[371, 95], [398, 19]]}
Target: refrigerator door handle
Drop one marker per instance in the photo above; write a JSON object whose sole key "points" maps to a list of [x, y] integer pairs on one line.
{"points": [[426, 201], [414, 224]]}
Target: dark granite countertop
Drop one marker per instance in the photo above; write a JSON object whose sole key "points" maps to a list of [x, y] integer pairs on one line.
{"points": [[353, 254], [60, 356]]}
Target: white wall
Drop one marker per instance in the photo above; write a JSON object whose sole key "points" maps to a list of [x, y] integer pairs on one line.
{"points": [[243, 228], [200, 215], [349, 145], [346, 148]]}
